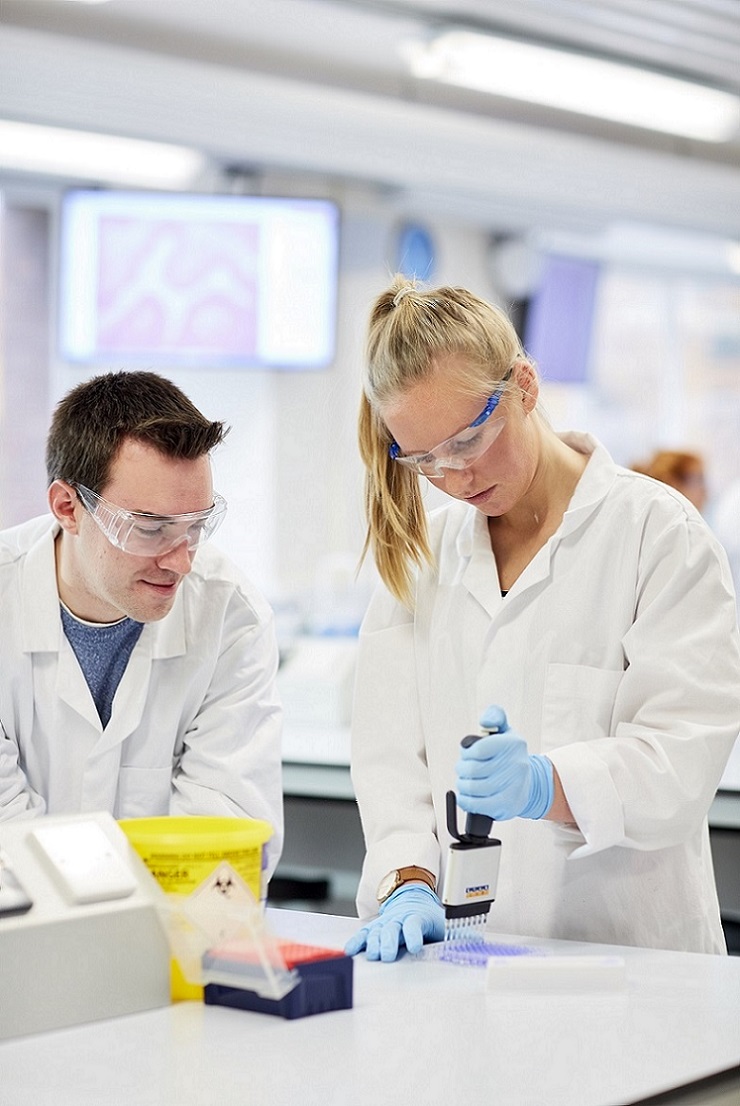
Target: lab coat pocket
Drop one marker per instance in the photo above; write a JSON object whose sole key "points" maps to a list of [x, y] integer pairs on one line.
{"points": [[578, 704], [143, 792]]}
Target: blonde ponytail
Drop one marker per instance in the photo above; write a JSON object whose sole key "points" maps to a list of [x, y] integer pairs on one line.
{"points": [[408, 328]]}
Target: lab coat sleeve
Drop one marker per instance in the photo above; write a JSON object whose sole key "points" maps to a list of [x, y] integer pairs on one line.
{"points": [[17, 797], [650, 783], [727, 529], [231, 758], [389, 766]]}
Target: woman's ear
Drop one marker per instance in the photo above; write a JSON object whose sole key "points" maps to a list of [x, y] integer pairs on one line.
{"points": [[63, 503], [525, 376]]}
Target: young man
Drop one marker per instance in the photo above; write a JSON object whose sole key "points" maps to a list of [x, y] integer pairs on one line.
{"points": [[137, 665]]}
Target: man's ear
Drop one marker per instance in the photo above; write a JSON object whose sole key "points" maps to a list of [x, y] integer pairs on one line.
{"points": [[527, 379], [63, 503]]}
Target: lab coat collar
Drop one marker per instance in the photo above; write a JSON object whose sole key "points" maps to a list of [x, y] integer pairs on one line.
{"points": [[39, 596], [595, 484], [40, 601], [473, 543]]}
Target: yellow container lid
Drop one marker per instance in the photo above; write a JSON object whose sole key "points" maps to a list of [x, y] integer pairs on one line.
{"points": [[176, 831]]}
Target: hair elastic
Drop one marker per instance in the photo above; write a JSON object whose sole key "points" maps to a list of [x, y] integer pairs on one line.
{"points": [[401, 293]]}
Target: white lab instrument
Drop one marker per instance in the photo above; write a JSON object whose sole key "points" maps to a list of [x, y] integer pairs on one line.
{"points": [[83, 862], [88, 942]]}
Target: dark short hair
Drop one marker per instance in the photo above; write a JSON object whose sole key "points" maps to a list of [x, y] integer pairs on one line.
{"points": [[92, 421]]}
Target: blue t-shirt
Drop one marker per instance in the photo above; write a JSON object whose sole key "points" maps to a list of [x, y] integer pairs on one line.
{"points": [[103, 651]]}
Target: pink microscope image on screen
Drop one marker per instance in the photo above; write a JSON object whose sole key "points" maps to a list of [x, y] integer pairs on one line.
{"points": [[197, 280], [185, 287]]}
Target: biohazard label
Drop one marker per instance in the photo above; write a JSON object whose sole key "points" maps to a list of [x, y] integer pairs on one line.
{"points": [[225, 883]]}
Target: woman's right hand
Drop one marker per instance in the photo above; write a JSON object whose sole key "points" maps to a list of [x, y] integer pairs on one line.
{"points": [[411, 915]]}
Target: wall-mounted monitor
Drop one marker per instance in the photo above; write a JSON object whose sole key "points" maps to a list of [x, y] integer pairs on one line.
{"points": [[157, 280]]}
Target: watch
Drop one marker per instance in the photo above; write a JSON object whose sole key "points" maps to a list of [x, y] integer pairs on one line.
{"points": [[398, 876]]}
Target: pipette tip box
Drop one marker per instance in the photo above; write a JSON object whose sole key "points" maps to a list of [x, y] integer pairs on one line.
{"points": [[324, 983]]}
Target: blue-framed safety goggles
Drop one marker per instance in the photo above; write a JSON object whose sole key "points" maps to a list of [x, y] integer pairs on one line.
{"points": [[463, 448]]}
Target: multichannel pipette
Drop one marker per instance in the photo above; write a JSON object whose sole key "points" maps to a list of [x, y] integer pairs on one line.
{"points": [[473, 857]]}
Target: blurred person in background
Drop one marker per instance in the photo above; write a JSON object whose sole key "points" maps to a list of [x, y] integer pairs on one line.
{"points": [[680, 470]]}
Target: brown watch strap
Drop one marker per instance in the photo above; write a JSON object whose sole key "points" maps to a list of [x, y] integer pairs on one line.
{"points": [[412, 874]]}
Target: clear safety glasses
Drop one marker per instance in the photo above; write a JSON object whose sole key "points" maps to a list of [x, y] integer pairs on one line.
{"points": [[145, 535], [461, 449]]}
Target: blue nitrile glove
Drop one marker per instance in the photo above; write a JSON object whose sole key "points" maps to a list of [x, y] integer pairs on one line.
{"points": [[498, 777], [410, 915]]}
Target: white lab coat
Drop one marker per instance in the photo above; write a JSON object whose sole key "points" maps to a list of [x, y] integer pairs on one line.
{"points": [[195, 726], [616, 654], [726, 525]]}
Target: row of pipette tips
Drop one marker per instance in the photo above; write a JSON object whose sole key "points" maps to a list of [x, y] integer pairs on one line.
{"points": [[473, 950], [467, 928]]}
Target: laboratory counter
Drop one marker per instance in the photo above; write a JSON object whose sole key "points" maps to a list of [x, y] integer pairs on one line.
{"points": [[421, 1031]]}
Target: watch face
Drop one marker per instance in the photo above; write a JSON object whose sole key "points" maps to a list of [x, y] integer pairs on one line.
{"points": [[387, 885]]}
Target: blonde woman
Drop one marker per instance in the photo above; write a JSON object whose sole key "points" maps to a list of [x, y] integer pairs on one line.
{"points": [[593, 605]]}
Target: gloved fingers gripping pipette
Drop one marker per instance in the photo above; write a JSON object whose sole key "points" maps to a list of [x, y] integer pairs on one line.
{"points": [[497, 776]]}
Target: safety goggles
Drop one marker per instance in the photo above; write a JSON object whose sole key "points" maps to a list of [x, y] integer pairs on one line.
{"points": [[462, 449], [145, 535]]}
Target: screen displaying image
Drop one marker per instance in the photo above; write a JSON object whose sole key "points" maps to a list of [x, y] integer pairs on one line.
{"points": [[157, 279]]}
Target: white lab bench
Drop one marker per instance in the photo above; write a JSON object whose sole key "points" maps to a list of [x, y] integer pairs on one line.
{"points": [[421, 1031]]}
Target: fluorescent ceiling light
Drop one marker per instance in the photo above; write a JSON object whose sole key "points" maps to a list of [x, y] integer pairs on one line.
{"points": [[574, 82], [26, 147], [647, 246]]}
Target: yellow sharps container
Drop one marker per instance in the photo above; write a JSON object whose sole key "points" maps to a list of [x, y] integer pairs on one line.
{"points": [[198, 854]]}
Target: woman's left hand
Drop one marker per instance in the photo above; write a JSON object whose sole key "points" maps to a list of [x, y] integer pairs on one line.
{"points": [[497, 776]]}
